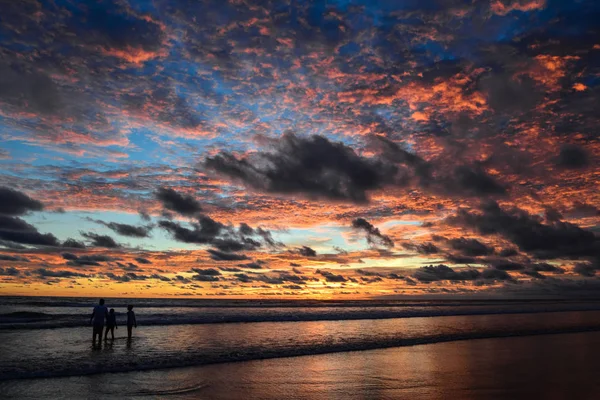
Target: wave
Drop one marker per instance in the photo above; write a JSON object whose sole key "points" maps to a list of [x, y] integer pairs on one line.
{"points": [[267, 303], [260, 353], [32, 320]]}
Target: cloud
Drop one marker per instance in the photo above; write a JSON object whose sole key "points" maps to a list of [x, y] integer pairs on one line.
{"points": [[474, 181], [16, 230], [127, 230], [142, 260], [126, 277], [433, 273], [84, 260], [100, 240], [46, 273], [495, 274], [180, 203], [251, 266], [374, 236], [205, 278], [224, 256], [312, 166], [203, 233], [206, 271], [331, 277], [14, 203], [422, 248], [72, 243], [224, 238], [586, 269], [503, 7], [573, 157], [9, 271], [306, 251], [6, 257], [555, 240], [470, 247]]}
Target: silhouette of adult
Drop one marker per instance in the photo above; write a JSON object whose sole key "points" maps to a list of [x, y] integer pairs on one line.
{"points": [[99, 314]]}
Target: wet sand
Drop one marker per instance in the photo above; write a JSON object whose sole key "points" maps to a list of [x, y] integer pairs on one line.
{"points": [[561, 366]]}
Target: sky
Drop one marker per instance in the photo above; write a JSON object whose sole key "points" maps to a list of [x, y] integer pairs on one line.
{"points": [[300, 149]]}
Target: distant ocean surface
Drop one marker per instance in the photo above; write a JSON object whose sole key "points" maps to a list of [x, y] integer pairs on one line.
{"points": [[50, 337]]}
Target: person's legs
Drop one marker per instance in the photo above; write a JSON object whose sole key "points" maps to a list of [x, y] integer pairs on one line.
{"points": [[97, 332], [129, 328], [112, 333]]}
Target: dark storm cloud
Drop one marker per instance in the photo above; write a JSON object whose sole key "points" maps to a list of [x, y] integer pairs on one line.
{"points": [[306, 251], [230, 269], [545, 267], [16, 230], [126, 277], [553, 215], [508, 94], [205, 278], [6, 257], [331, 277], [433, 273], [206, 271], [9, 271], [129, 267], [223, 256], [470, 247], [251, 265], [392, 152], [92, 259], [13, 202], [474, 181], [313, 166], [495, 274], [460, 259], [74, 244], [583, 210], [180, 203], [160, 277], [573, 156], [230, 244], [185, 235], [555, 240], [422, 248], [245, 278], [142, 260], [508, 266], [126, 229], [145, 216], [586, 269], [46, 273], [100, 240], [374, 236], [223, 238]]}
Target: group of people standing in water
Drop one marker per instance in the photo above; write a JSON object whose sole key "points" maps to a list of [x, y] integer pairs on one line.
{"points": [[102, 314]]}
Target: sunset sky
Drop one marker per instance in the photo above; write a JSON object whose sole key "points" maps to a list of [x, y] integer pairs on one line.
{"points": [[314, 149]]}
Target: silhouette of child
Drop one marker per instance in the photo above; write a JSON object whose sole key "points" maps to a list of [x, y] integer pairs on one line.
{"points": [[131, 322], [111, 324]]}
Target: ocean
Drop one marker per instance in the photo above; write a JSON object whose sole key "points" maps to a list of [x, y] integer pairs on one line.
{"points": [[49, 339]]}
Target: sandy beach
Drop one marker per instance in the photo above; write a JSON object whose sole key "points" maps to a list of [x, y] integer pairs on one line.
{"points": [[545, 367]]}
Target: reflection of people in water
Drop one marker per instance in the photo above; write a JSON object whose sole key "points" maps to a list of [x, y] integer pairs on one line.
{"points": [[111, 324], [100, 312], [131, 322]]}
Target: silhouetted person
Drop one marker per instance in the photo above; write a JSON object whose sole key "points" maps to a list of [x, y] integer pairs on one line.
{"points": [[131, 322], [111, 324], [98, 315]]}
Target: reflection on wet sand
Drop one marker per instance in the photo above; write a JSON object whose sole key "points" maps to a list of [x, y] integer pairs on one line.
{"points": [[536, 367]]}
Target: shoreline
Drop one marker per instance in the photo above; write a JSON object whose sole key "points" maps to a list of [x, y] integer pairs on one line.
{"points": [[488, 368]]}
